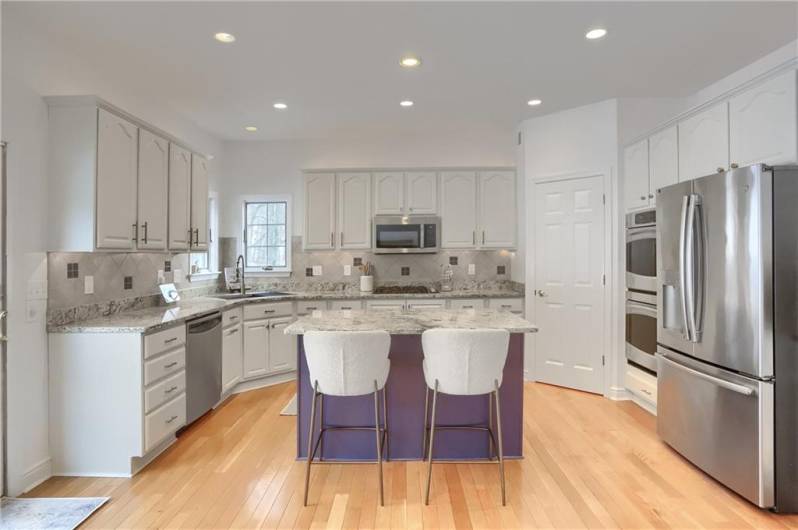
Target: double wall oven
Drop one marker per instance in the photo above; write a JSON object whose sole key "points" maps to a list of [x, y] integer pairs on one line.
{"points": [[641, 289]]}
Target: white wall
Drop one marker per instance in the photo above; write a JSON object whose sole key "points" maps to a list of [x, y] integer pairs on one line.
{"points": [[275, 167]]}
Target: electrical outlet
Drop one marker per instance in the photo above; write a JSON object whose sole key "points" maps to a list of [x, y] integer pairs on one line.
{"points": [[88, 285], [347, 270], [177, 276], [317, 270], [472, 269], [37, 290]]}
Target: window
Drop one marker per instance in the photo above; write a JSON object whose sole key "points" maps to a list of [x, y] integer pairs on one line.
{"points": [[267, 238]]}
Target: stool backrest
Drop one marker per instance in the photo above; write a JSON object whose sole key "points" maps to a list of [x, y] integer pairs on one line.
{"points": [[465, 361], [346, 363]]}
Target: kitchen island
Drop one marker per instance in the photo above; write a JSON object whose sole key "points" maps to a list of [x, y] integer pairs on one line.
{"points": [[405, 388]]}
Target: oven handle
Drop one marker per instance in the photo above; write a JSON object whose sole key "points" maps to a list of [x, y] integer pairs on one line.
{"points": [[638, 234], [636, 308]]}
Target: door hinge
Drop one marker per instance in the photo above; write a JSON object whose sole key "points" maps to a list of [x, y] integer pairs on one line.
{"points": [[602, 360]]}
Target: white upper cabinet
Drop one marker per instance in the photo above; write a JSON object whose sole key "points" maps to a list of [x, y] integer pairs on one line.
{"points": [[117, 176], [458, 209], [763, 123], [179, 197], [354, 210], [663, 161], [389, 193], [421, 195], [704, 143], [199, 202], [635, 171], [319, 211], [497, 205], [153, 191]]}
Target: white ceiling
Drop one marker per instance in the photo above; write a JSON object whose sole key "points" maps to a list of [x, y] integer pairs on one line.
{"points": [[336, 64]]}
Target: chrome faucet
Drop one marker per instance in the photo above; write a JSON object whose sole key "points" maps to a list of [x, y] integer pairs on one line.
{"points": [[240, 271]]}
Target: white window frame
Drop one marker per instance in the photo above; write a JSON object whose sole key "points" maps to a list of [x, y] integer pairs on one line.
{"points": [[258, 271]]}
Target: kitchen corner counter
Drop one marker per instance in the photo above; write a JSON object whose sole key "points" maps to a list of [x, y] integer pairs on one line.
{"points": [[412, 322]]}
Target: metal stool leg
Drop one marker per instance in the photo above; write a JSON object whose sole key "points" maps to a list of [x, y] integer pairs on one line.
{"points": [[377, 432], [310, 439], [426, 418], [321, 426], [431, 440], [492, 452], [500, 442], [385, 424]]}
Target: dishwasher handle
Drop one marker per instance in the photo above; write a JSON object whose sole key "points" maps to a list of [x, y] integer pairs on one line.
{"points": [[204, 324]]}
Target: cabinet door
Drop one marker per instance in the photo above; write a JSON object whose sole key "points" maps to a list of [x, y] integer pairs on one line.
{"points": [[179, 197], [763, 122], [458, 209], [282, 347], [256, 348], [497, 200], [635, 171], [232, 357], [426, 304], [117, 175], [704, 143], [319, 211], [354, 210], [199, 202], [153, 191], [389, 193], [422, 192], [663, 152]]}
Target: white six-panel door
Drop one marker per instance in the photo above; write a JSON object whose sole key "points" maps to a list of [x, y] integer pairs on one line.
{"points": [[569, 290], [153, 190]]}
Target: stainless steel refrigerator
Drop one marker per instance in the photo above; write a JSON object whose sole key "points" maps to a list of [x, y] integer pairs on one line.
{"points": [[727, 333]]}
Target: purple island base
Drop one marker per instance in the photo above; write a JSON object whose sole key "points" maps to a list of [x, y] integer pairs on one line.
{"points": [[405, 391]]}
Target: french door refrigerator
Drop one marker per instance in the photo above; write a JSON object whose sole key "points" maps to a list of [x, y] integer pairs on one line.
{"points": [[727, 333]]}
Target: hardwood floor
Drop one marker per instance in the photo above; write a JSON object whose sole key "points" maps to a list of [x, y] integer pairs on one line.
{"points": [[590, 463]]}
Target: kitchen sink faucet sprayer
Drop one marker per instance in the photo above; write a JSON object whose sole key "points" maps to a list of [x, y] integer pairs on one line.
{"points": [[240, 272]]}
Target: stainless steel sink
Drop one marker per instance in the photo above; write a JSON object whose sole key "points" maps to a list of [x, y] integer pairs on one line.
{"points": [[257, 294]]}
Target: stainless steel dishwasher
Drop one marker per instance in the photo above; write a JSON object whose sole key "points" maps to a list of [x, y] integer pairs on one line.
{"points": [[203, 365]]}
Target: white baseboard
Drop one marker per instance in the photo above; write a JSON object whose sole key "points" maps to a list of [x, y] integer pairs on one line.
{"points": [[649, 407], [263, 382], [35, 475], [618, 393]]}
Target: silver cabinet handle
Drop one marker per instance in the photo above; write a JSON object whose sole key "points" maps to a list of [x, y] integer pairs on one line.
{"points": [[170, 365], [542, 294], [332, 239], [483, 237], [346, 308], [196, 232], [311, 308], [734, 166], [144, 226], [232, 331], [650, 195], [170, 420], [234, 317], [170, 390], [642, 197], [267, 311], [473, 237], [720, 170], [3, 316], [135, 232], [190, 236], [342, 239], [506, 306], [728, 385], [167, 341], [646, 392]]}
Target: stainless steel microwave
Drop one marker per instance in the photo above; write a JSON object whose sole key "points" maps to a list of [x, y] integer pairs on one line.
{"points": [[402, 234]]}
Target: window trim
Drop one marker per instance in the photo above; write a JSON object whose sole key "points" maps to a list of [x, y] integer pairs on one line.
{"points": [[258, 271]]}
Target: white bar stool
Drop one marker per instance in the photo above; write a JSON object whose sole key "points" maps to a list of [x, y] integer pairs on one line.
{"points": [[347, 363], [464, 362]]}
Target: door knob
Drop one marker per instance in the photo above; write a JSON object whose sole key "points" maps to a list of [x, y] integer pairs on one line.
{"points": [[541, 293]]}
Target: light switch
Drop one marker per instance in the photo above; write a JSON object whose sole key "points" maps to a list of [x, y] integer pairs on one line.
{"points": [[317, 270], [472, 269], [88, 285], [347, 270]]}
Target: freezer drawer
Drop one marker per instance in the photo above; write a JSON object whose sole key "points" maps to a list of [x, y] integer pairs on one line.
{"points": [[720, 421]]}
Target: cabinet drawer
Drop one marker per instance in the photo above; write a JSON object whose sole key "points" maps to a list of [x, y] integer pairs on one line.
{"points": [[415, 303], [379, 305], [162, 366], [164, 421], [232, 317], [513, 305], [641, 384], [467, 303], [164, 341], [258, 311], [160, 393], [345, 305], [306, 308]]}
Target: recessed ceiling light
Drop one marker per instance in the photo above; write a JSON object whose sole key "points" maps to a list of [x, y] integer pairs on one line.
{"points": [[280, 106], [226, 38], [534, 102], [595, 33], [250, 128], [406, 103], [410, 61]]}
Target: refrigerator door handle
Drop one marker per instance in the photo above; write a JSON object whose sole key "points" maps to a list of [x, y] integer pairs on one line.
{"points": [[683, 227], [690, 265], [728, 385]]}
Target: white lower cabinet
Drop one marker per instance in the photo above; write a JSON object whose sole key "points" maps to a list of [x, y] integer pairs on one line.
{"points": [[642, 385], [232, 356], [345, 305], [433, 303], [512, 305], [385, 304], [282, 347], [256, 344], [466, 303], [163, 422], [267, 349]]}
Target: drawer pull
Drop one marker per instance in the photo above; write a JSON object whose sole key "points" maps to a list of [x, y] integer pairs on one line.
{"points": [[232, 331], [508, 306], [170, 365], [346, 308], [170, 390], [267, 311], [167, 341], [234, 317], [311, 308], [170, 420], [646, 392], [468, 307]]}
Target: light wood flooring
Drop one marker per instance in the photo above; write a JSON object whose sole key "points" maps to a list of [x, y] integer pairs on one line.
{"points": [[590, 463]]}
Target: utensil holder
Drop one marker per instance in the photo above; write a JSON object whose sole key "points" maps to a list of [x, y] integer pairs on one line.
{"points": [[366, 284]]}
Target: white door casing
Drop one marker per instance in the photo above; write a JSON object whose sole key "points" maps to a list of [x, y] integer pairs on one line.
{"points": [[569, 275], [153, 191]]}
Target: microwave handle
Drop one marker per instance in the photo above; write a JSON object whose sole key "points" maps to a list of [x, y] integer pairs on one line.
{"points": [[421, 239]]}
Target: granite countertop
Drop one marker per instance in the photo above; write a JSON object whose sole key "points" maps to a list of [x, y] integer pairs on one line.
{"points": [[414, 322], [157, 318]]}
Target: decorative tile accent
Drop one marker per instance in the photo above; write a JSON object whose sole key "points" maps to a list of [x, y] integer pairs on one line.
{"points": [[167, 266], [500, 269], [309, 271], [452, 260], [357, 262], [405, 271], [73, 271], [128, 282]]}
